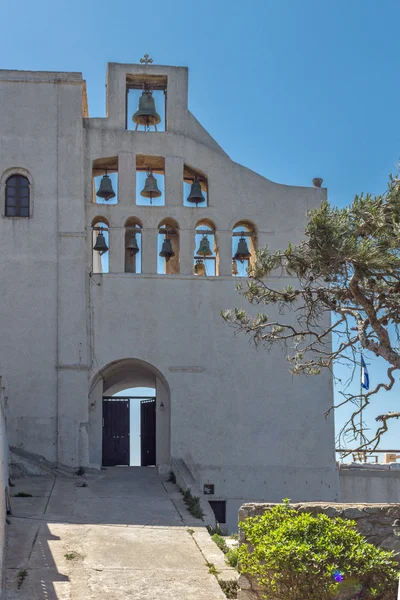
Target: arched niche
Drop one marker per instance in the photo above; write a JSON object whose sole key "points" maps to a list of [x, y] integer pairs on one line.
{"points": [[133, 237], [120, 375], [100, 262], [205, 230], [243, 230], [168, 229]]}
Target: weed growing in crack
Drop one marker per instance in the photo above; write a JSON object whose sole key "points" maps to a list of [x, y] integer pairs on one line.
{"points": [[21, 577]]}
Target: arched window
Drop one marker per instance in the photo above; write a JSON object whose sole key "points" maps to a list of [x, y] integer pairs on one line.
{"points": [[100, 245], [205, 253], [168, 247], [243, 248], [17, 196], [133, 246]]}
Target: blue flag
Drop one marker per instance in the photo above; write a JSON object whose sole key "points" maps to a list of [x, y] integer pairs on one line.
{"points": [[364, 375]]}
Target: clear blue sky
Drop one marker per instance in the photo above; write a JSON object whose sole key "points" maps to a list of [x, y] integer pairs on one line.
{"points": [[293, 89]]}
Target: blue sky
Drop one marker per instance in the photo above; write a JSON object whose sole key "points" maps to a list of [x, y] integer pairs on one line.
{"points": [[292, 89]]}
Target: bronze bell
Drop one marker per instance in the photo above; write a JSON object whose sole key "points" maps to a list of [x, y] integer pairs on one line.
{"points": [[133, 245], [242, 252], [105, 190], [100, 245], [196, 195], [235, 270], [166, 250], [204, 248], [150, 189], [199, 267], [146, 114]]}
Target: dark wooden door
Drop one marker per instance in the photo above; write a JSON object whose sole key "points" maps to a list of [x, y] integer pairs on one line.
{"points": [[115, 432], [148, 432]]}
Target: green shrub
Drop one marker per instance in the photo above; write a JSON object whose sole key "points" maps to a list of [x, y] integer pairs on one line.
{"points": [[192, 503], [221, 543], [172, 477], [297, 555], [230, 588], [232, 557]]}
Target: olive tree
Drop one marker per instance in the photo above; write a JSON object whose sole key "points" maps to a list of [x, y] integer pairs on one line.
{"points": [[345, 288]]}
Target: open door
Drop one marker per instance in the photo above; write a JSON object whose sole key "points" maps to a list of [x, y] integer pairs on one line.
{"points": [[115, 432], [148, 432]]}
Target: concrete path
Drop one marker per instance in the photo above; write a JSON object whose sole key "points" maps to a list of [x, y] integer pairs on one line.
{"points": [[124, 536]]}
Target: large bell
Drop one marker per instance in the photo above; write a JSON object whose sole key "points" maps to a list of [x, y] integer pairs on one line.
{"points": [[100, 245], [105, 190], [204, 248], [146, 114], [166, 250], [150, 189], [196, 195], [199, 267], [133, 245], [242, 252]]}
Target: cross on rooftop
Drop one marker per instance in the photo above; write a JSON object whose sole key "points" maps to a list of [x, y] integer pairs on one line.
{"points": [[146, 59]]}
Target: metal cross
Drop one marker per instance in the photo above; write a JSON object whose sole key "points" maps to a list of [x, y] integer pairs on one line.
{"points": [[146, 60]]}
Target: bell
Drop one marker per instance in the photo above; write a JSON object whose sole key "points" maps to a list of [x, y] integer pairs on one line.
{"points": [[196, 195], [146, 114], [235, 270], [105, 190], [199, 267], [100, 245], [133, 245], [204, 248], [166, 250], [242, 252], [150, 189]]}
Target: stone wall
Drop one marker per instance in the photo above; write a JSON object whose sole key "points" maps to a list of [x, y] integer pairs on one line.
{"points": [[374, 521], [366, 482]]}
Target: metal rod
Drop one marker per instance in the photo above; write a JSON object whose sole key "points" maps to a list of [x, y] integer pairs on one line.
{"points": [[361, 403], [367, 451]]}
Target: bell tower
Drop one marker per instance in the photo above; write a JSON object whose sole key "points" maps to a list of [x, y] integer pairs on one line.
{"points": [[161, 93]]}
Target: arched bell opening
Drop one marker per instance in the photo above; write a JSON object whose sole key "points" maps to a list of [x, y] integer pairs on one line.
{"points": [[168, 247], [129, 416], [133, 245], [150, 176], [195, 188], [205, 261], [105, 180], [244, 247], [100, 245], [146, 97]]}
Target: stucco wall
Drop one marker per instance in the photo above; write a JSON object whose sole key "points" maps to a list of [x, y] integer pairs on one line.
{"points": [[374, 521], [3, 478], [234, 415], [370, 483]]}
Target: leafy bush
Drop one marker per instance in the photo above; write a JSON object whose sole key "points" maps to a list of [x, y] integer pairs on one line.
{"points": [[230, 588], [192, 503], [231, 557], [221, 543], [171, 477], [295, 555]]}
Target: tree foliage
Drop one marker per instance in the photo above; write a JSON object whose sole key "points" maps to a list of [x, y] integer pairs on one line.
{"points": [[297, 555], [344, 285]]}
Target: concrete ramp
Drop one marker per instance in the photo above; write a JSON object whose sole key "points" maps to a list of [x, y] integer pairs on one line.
{"points": [[123, 535]]}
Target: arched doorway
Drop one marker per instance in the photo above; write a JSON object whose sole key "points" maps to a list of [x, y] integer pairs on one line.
{"points": [[114, 395]]}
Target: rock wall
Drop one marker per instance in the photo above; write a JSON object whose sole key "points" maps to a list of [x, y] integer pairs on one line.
{"points": [[374, 521]]}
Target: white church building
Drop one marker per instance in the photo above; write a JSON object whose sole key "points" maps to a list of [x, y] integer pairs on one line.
{"points": [[122, 238]]}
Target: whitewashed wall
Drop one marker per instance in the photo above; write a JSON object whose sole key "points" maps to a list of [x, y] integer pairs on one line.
{"points": [[3, 478]]}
